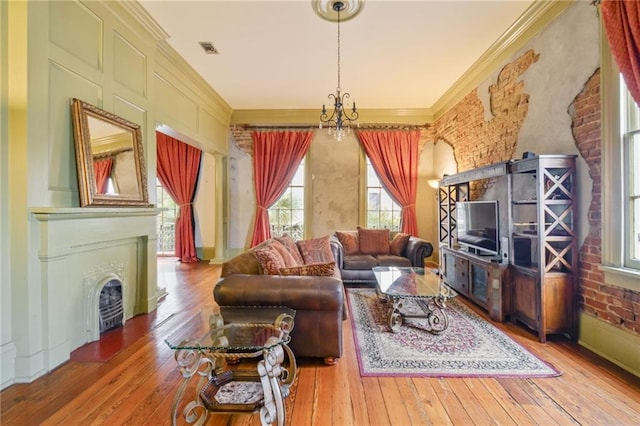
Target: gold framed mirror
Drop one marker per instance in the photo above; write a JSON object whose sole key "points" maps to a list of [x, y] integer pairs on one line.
{"points": [[109, 157]]}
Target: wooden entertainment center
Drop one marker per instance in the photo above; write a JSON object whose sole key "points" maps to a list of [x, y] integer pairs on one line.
{"points": [[534, 279]]}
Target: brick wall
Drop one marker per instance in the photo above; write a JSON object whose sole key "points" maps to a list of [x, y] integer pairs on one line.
{"points": [[614, 305], [478, 142]]}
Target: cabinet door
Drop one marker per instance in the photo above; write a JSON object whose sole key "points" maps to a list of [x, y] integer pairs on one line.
{"points": [[479, 283], [462, 275], [527, 299], [455, 272]]}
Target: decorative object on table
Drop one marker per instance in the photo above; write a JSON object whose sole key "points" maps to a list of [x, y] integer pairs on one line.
{"points": [[470, 347]]}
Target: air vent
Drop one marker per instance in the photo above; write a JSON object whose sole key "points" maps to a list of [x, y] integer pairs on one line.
{"points": [[208, 47]]}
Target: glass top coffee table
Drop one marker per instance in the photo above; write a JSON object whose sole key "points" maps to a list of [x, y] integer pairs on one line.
{"points": [[395, 284]]}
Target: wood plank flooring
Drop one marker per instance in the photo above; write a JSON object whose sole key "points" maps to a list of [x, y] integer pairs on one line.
{"points": [[136, 386]]}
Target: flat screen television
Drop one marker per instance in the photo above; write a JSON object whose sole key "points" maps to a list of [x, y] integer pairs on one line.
{"points": [[478, 226]]}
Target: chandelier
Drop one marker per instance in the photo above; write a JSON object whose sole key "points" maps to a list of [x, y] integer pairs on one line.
{"points": [[339, 118]]}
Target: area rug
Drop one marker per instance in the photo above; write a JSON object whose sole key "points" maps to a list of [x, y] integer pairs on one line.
{"points": [[469, 347]]}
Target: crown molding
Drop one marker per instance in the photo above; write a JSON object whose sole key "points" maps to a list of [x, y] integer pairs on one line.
{"points": [[139, 15], [416, 116], [534, 19]]}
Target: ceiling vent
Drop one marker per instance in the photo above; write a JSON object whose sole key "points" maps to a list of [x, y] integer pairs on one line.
{"points": [[208, 47]]}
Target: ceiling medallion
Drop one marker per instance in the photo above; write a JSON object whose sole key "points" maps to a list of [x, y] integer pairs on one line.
{"points": [[326, 9]]}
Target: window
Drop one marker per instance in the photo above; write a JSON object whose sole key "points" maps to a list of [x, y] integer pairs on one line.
{"points": [[382, 211], [620, 195], [286, 215], [166, 221], [630, 131]]}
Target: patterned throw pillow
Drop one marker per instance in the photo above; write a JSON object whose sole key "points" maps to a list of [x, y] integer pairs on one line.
{"points": [[316, 250], [287, 258], [399, 243], [316, 269], [291, 246], [373, 241], [349, 240], [269, 259]]}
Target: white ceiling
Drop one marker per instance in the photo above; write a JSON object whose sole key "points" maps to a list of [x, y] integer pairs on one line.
{"points": [[281, 55]]}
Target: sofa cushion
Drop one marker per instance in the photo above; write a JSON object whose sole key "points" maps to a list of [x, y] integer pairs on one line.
{"points": [[399, 243], [291, 247], [349, 240], [373, 241], [359, 261], [244, 263], [315, 269], [287, 258], [316, 250], [269, 259], [392, 260]]}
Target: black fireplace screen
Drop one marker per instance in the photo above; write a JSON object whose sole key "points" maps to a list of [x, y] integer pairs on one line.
{"points": [[111, 306]]}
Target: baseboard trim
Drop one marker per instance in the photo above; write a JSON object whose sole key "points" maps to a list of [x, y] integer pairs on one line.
{"points": [[612, 343]]}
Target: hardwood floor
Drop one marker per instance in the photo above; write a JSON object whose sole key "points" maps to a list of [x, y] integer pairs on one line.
{"points": [[136, 386]]}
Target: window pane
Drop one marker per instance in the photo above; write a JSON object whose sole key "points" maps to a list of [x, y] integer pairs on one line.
{"points": [[165, 221], [287, 214], [382, 211], [630, 129]]}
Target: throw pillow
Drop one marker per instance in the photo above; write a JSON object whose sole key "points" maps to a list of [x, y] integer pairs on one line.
{"points": [[316, 269], [373, 241], [316, 250], [269, 259], [244, 263], [349, 240], [291, 246], [287, 258], [399, 243]]}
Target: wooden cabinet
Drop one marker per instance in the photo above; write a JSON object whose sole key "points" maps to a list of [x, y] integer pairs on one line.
{"points": [[544, 252], [479, 279], [542, 245]]}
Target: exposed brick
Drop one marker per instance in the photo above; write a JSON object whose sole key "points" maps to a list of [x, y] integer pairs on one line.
{"points": [[605, 302]]}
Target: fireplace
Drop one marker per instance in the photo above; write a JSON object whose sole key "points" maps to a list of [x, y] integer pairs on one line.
{"points": [[85, 256]]}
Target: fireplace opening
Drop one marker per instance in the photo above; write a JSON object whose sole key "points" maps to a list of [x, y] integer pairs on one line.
{"points": [[111, 307]]}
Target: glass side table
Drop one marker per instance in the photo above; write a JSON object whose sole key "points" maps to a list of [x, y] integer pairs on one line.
{"points": [[208, 346]]}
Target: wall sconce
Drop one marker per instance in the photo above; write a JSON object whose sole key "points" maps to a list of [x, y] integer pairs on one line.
{"points": [[434, 183]]}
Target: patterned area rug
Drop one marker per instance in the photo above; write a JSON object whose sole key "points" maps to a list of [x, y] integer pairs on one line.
{"points": [[469, 347]]}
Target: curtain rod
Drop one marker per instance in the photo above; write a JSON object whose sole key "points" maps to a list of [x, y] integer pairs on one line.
{"points": [[380, 126]]}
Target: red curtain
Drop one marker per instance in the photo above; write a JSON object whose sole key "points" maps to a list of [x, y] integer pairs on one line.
{"points": [[178, 166], [276, 157], [102, 171], [394, 156], [622, 24]]}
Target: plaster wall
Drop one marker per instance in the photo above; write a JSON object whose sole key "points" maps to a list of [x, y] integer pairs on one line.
{"points": [[569, 55], [335, 184]]}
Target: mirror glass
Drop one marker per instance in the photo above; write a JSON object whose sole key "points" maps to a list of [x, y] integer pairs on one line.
{"points": [[109, 156]]}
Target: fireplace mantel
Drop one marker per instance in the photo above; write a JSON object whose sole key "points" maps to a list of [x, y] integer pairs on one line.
{"points": [[75, 248]]}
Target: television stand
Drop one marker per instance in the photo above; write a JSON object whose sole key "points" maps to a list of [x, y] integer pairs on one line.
{"points": [[480, 278]]}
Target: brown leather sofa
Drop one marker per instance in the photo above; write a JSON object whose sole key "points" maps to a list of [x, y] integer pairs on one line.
{"points": [[317, 300], [356, 269]]}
